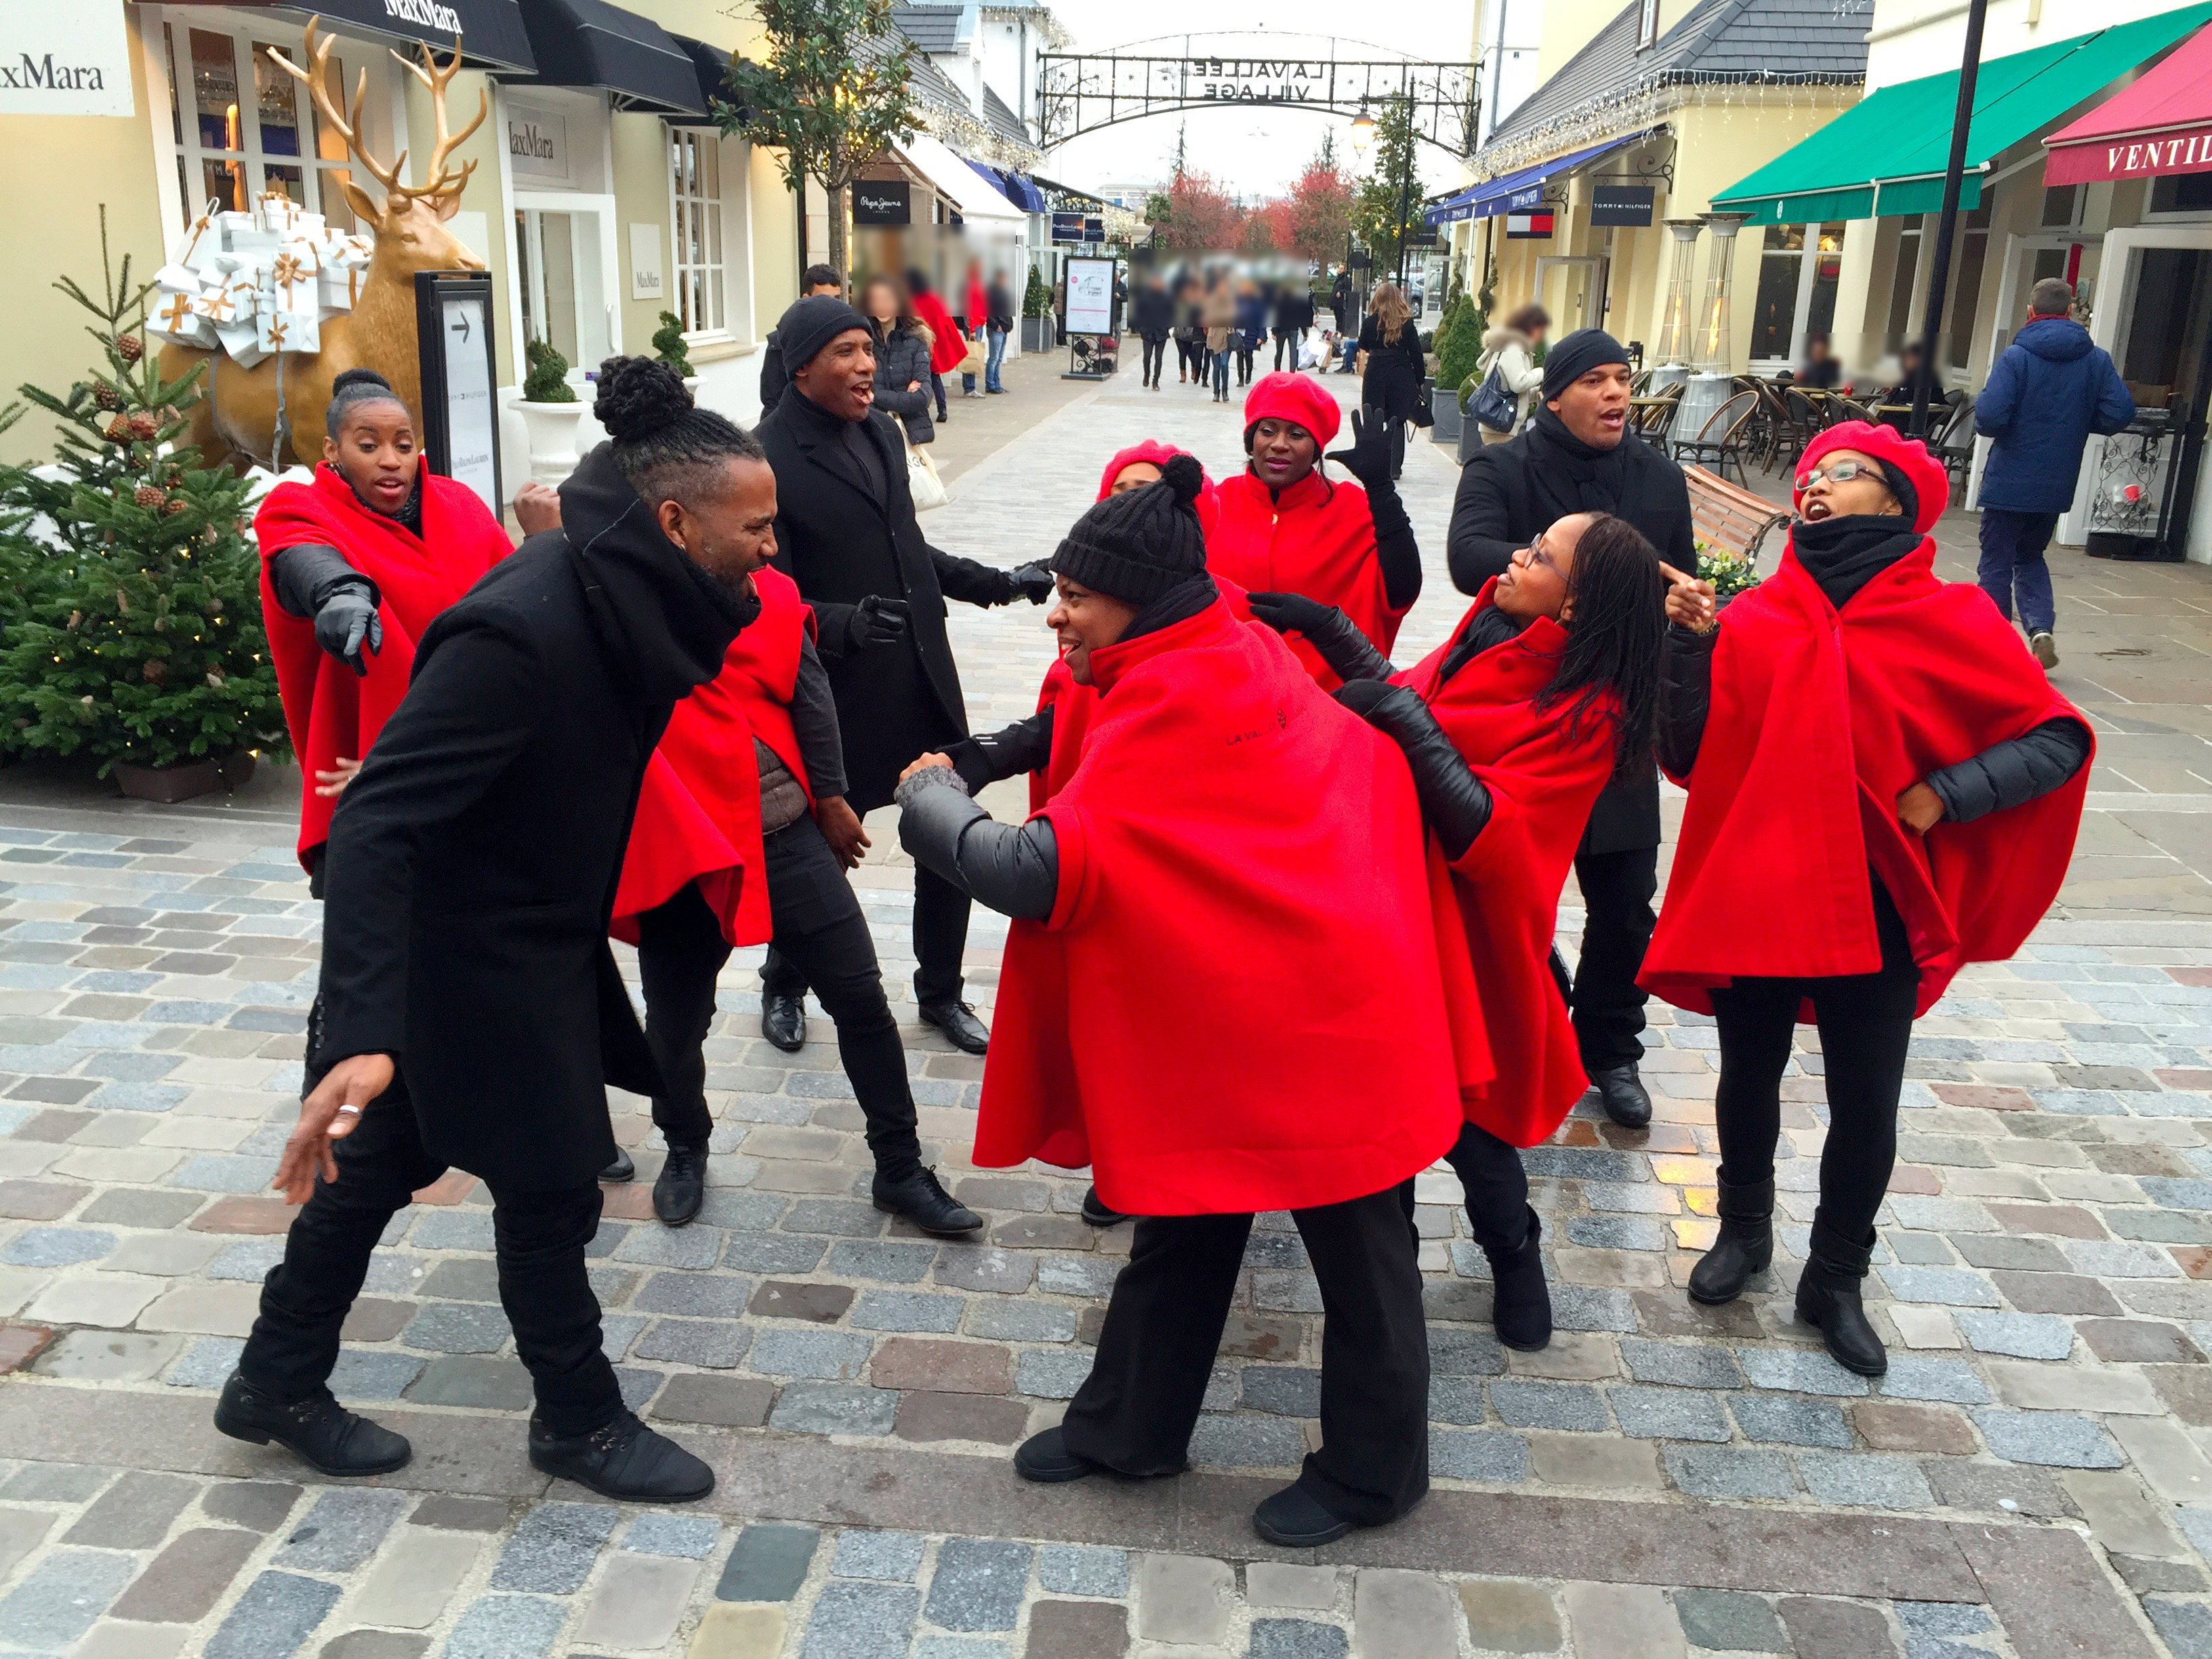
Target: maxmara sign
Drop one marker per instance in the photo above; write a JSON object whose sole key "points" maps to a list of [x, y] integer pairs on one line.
{"points": [[424, 14], [70, 59]]}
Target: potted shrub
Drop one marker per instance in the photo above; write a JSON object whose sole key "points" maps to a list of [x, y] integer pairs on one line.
{"points": [[670, 347], [1036, 313], [1454, 360], [133, 614], [1730, 573], [550, 411]]}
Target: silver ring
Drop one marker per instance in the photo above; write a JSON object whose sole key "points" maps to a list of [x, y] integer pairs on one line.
{"points": [[355, 1110]]}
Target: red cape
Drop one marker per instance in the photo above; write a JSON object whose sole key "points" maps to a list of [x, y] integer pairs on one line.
{"points": [[1818, 723], [946, 347], [1318, 540], [1543, 780], [1238, 1002], [698, 816], [329, 711]]}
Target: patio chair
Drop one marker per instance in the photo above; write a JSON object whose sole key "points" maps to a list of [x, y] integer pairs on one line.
{"points": [[1956, 450], [1653, 421], [1721, 438]]}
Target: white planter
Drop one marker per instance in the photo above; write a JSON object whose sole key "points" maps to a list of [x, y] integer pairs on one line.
{"points": [[691, 385], [552, 429]]}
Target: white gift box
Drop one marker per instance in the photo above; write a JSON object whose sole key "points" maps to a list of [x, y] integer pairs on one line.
{"points": [[292, 274], [216, 306], [339, 290], [255, 245], [176, 319], [242, 288], [287, 331], [201, 244], [180, 279], [241, 341]]}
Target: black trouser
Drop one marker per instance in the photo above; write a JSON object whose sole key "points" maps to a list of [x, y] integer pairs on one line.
{"points": [[1244, 349], [940, 939], [937, 391], [821, 938], [1191, 354], [1156, 353], [1287, 338], [539, 1237], [1607, 1003], [1135, 1412], [1865, 1022]]}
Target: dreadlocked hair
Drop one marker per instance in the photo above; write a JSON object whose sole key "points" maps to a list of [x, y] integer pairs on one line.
{"points": [[667, 447], [1614, 639]]}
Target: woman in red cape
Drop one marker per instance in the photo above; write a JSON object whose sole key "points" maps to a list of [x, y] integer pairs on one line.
{"points": [[947, 345], [354, 566], [1283, 527], [1512, 726], [1882, 787], [1226, 985]]}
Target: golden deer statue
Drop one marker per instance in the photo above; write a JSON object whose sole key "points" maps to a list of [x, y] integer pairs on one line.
{"points": [[237, 417]]}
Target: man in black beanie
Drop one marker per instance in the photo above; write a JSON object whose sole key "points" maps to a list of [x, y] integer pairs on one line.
{"points": [[1187, 906], [1576, 456], [846, 533]]}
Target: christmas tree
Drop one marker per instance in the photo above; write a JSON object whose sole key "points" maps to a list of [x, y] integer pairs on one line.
{"points": [[668, 344], [134, 618]]}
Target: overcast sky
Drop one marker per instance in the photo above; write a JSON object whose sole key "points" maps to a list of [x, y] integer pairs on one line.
{"points": [[1253, 149]]}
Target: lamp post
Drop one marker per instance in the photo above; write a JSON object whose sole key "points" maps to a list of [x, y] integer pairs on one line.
{"points": [[1946, 225]]}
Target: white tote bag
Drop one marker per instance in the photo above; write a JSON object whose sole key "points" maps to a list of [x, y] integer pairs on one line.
{"points": [[921, 480]]}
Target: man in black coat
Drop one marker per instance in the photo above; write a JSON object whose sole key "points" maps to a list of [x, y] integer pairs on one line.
{"points": [[846, 532], [774, 377], [1294, 315], [470, 1013], [1576, 457]]}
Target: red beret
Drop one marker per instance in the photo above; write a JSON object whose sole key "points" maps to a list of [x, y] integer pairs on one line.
{"points": [[1929, 482], [1159, 454], [1297, 397]]}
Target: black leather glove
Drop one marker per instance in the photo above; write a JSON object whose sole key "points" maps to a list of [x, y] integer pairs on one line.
{"points": [[1346, 651], [1031, 581], [1368, 458], [347, 625], [1454, 802], [877, 621]]}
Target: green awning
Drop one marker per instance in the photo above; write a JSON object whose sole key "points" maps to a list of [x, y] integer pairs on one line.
{"points": [[1885, 153]]}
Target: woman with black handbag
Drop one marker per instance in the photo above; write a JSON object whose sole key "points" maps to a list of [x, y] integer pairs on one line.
{"points": [[1511, 376]]}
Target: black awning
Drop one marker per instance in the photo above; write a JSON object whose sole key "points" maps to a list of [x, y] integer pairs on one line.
{"points": [[714, 66], [491, 33], [589, 43]]}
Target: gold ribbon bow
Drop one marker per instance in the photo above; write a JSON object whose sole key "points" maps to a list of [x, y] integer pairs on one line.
{"points": [[172, 315], [285, 271]]}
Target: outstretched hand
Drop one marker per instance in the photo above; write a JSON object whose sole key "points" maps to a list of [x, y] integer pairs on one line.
{"points": [[1032, 581], [1368, 460], [1289, 613], [1690, 600], [330, 1111]]}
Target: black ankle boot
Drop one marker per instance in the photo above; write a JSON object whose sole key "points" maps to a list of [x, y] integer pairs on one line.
{"points": [[625, 1460], [680, 1190], [1521, 1302], [1828, 1299], [317, 1430], [1745, 1246]]}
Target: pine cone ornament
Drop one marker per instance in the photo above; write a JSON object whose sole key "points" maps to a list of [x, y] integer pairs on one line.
{"points": [[143, 426], [129, 347], [151, 498], [107, 396], [175, 507], [117, 430], [153, 670]]}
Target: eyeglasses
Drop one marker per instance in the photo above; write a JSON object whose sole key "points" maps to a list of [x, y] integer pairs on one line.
{"points": [[1537, 555], [1837, 472]]}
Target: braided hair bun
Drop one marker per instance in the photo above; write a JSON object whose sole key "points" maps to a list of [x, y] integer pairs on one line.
{"points": [[352, 388], [1183, 475], [639, 397], [366, 378]]}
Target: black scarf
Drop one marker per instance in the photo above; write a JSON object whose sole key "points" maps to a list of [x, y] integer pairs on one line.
{"points": [[1487, 627], [851, 436], [1843, 554], [1179, 603], [1569, 476]]}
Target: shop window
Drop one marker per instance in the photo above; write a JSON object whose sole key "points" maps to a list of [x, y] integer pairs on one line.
{"points": [[241, 125], [1646, 24], [2182, 192], [695, 163], [1796, 295], [1965, 297], [2061, 206]]}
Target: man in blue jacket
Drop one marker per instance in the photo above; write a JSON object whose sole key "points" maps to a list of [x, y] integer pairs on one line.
{"points": [[2048, 392]]}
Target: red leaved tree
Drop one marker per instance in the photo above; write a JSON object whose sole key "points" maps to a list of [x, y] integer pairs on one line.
{"points": [[1201, 217], [1316, 217]]}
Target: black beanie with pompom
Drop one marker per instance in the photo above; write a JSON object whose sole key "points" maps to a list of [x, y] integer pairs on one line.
{"points": [[1138, 545]]}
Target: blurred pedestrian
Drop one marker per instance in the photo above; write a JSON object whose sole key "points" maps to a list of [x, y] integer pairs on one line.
{"points": [[1220, 317], [1294, 315], [998, 324], [947, 345], [1251, 327], [1509, 351], [1152, 316], [1391, 367], [901, 356]]}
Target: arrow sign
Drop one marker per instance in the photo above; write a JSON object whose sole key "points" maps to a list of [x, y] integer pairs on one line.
{"points": [[461, 327]]}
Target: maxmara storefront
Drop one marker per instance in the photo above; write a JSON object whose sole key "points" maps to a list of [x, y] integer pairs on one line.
{"points": [[601, 196]]}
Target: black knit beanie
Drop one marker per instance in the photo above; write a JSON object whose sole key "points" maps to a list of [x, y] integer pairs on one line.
{"points": [[811, 324], [1139, 544], [1571, 358]]}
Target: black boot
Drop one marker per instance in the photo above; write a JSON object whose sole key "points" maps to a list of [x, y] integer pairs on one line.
{"points": [[623, 1168], [1521, 1302], [1621, 1091], [1096, 1213], [1828, 1299], [783, 1022], [1045, 1457], [1744, 1246], [958, 1023], [624, 1461], [681, 1187], [922, 1200], [318, 1429], [1294, 1519]]}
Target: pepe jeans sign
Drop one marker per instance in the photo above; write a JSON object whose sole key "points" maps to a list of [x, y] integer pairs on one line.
{"points": [[882, 201], [428, 13], [64, 60], [1255, 80], [536, 144]]}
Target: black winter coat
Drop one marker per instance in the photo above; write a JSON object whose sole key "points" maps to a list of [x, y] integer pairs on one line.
{"points": [[1395, 369], [1152, 313], [1510, 492], [841, 544], [472, 863], [900, 357]]}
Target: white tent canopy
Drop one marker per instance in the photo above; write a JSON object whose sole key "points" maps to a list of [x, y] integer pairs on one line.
{"points": [[958, 182]]}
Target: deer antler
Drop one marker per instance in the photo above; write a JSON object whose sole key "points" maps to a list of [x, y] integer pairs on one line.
{"points": [[438, 181], [318, 58]]}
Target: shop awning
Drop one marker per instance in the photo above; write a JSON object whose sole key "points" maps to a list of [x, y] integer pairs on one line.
{"points": [[1885, 153], [589, 43], [1516, 192], [713, 64], [1023, 192], [2160, 123], [958, 181], [491, 32]]}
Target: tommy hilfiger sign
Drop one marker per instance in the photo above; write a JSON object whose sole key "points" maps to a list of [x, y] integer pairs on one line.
{"points": [[64, 60]]}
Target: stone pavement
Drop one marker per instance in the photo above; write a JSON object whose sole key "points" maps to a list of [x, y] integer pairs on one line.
{"points": [[2032, 1478]]}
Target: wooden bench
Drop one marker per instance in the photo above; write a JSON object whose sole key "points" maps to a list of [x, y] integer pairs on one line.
{"points": [[1728, 515]]}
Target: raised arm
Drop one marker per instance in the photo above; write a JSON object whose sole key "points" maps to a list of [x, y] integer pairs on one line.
{"points": [[1012, 868]]}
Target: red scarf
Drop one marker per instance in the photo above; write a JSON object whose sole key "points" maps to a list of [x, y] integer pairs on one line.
{"points": [[946, 348], [1818, 723], [1543, 780], [1238, 1002], [1317, 540], [699, 815], [330, 711]]}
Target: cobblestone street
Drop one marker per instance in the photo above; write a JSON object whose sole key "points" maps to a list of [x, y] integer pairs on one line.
{"points": [[2033, 1478]]}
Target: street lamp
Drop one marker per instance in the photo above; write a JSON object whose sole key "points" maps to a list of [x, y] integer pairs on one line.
{"points": [[1363, 128]]}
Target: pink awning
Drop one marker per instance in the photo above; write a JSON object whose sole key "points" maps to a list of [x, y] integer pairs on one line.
{"points": [[2159, 124]]}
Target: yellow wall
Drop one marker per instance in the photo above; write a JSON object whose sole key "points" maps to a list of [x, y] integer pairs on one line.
{"points": [[61, 170], [483, 194], [1568, 27], [642, 197]]}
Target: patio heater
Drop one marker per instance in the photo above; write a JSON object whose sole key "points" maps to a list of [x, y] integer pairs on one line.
{"points": [[1672, 366], [1713, 342]]}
